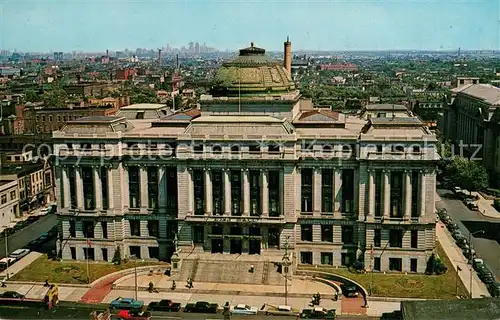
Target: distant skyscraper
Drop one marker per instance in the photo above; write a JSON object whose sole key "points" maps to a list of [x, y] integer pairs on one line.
{"points": [[191, 47], [197, 48]]}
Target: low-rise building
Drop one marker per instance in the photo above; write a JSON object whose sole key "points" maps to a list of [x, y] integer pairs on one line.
{"points": [[384, 110], [9, 201]]}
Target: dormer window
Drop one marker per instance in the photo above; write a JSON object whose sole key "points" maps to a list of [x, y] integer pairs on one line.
{"points": [[235, 149], [217, 149]]}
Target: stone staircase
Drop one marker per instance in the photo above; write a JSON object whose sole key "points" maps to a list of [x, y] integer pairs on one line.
{"points": [[185, 271]]}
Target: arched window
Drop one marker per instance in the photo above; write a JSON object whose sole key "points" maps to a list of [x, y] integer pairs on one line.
{"points": [[217, 149], [235, 149]]}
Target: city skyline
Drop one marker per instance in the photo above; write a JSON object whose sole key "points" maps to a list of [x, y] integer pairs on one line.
{"points": [[321, 25]]}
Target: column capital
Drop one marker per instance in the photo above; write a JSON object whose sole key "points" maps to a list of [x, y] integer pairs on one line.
{"points": [[207, 169]]}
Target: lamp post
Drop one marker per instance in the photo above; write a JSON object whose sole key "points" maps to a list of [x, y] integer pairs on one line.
{"points": [[134, 257], [470, 243], [286, 263], [7, 254]]}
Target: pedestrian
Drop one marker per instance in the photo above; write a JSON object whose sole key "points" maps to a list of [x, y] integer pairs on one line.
{"points": [[3, 283], [252, 268]]}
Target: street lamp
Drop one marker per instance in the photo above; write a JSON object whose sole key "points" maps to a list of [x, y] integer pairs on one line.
{"points": [[7, 254], [134, 257], [286, 264], [470, 243]]}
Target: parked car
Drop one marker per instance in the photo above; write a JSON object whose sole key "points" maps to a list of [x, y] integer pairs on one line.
{"points": [[12, 294], [43, 237], [462, 243], [19, 253], [134, 315], [318, 313], [456, 190], [20, 225], [349, 291], [477, 263], [282, 311], [201, 307], [452, 226], [6, 232], [32, 219], [126, 304], [244, 309], [6, 262], [469, 253], [164, 305]]}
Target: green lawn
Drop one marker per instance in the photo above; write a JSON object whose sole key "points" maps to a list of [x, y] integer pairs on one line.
{"points": [[407, 286], [69, 271]]}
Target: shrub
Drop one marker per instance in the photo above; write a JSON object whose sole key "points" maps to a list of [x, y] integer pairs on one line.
{"points": [[496, 204], [117, 258], [431, 264]]}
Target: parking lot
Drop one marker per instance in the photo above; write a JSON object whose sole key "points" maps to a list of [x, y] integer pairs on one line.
{"points": [[466, 224]]}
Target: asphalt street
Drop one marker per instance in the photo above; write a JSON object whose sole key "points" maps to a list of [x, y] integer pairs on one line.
{"points": [[31, 232], [485, 240], [20, 312]]}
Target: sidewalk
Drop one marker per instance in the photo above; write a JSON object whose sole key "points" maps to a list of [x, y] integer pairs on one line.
{"points": [[21, 264], [457, 259], [486, 208]]}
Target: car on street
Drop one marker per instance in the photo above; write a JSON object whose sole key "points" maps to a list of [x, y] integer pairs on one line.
{"points": [[349, 291], [244, 309], [201, 307], [452, 226], [126, 304], [134, 315], [19, 253], [165, 306], [281, 311], [317, 313], [12, 294]]}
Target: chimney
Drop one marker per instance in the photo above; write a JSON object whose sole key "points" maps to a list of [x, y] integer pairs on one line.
{"points": [[287, 64], [177, 61]]}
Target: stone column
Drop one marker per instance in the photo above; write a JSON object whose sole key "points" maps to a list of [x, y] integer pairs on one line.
{"points": [[265, 193], [208, 191], [282, 192], [111, 202], [227, 191], [298, 191], [162, 188], [79, 188], [97, 187], [422, 193], [190, 191], [371, 192], [125, 187], [387, 194], [66, 187], [246, 192], [337, 186], [316, 191], [143, 194], [408, 189]]}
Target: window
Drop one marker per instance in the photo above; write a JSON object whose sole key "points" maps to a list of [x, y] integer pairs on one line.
{"points": [[104, 226], [381, 115], [396, 238], [348, 234], [326, 233], [274, 149], [217, 149], [154, 252], [135, 228], [414, 239], [134, 187], [376, 264], [70, 146], [132, 145], [139, 115], [379, 148], [102, 146], [327, 190], [235, 149], [254, 148], [395, 264], [198, 234], [154, 228], [306, 233], [72, 229], [327, 258], [152, 187], [306, 177], [104, 252], [347, 258], [416, 149], [197, 148], [413, 265], [153, 145], [85, 146], [398, 148], [199, 192], [73, 252], [88, 229], [4, 199], [274, 193], [273, 237], [135, 251], [377, 238], [88, 188], [327, 148], [58, 118], [306, 257], [172, 228], [12, 195]]}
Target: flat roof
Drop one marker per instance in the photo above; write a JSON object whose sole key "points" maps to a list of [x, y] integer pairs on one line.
{"points": [[483, 308], [385, 106], [230, 118], [144, 106], [99, 119]]}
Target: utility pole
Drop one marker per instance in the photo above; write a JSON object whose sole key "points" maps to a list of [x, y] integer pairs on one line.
{"points": [[7, 255]]}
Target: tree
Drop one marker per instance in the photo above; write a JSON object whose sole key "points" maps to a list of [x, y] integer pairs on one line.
{"points": [[431, 264], [117, 258], [31, 95], [467, 174]]}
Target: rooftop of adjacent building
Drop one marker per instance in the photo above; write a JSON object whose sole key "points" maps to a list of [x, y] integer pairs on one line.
{"points": [[385, 107], [7, 183], [486, 92]]}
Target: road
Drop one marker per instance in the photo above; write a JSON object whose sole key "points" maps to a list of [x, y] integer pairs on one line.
{"points": [[485, 243], [19, 312], [22, 237]]}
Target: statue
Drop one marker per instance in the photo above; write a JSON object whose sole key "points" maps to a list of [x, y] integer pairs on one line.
{"points": [[176, 243]]}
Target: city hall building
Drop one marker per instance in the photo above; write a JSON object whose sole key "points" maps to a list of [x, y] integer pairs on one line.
{"points": [[254, 170]]}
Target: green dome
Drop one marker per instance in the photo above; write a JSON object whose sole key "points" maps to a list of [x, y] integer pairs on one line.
{"points": [[252, 73]]}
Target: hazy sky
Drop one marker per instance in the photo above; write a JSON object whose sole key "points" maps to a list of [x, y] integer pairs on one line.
{"points": [[92, 25]]}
